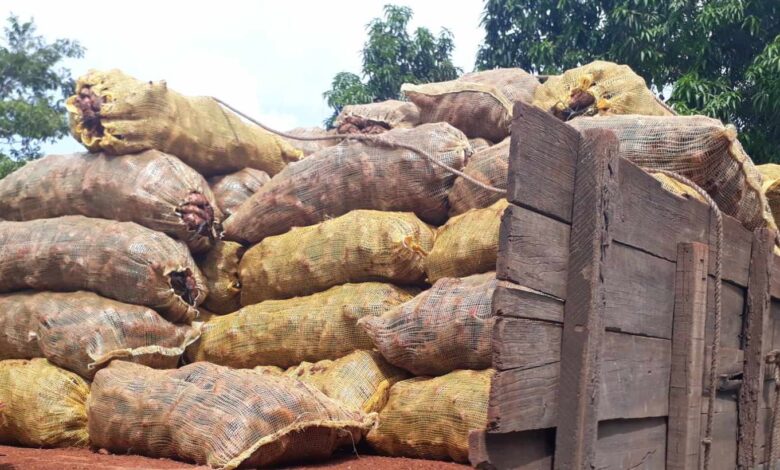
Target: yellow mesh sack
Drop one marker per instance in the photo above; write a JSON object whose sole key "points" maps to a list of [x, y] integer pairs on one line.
{"points": [[115, 113], [479, 103], [697, 147], [771, 186], [152, 189], [360, 380], [220, 268], [232, 190], [119, 260], [431, 418], [82, 332], [377, 117], [467, 244], [309, 147], [674, 186], [358, 247], [285, 333], [217, 416], [446, 327], [44, 406], [378, 174], [489, 166], [598, 88]]}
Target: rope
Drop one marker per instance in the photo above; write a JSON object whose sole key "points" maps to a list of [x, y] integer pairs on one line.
{"points": [[773, 357], [715, 358], [375, 138]]}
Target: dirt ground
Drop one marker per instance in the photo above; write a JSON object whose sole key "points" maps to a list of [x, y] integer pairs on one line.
{"points": [[19, 458]]}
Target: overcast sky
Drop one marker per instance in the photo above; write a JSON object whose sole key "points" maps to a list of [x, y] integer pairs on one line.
{"points": [[271, 59]]}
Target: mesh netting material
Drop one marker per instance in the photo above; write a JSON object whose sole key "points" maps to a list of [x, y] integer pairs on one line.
{"points": [[119, 260], [677, 187], [771, 186], [479, 144], [598, 88], [81, 331], [217, 416], [285, 333], [478, 103], [360, 380], [137, 115], [357, 247], [391, 113], [220, 268], [309, 147], [446, 327], [698, 148], [232, 190], [43, 405], [431, 418], [467, 244], [490, 166], [150, 188], [356, 175]]}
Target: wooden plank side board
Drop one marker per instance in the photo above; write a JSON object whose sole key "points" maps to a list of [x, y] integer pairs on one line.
{"points": [[512, 300], [733, 305], [774, 287], [526, 450], [519, 343], [724, 425], [685, 384], [631, 444], [543, 155]]}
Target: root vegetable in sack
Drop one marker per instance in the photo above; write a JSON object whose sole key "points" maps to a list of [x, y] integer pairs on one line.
{"points": [[356, 175], [232, 190], [375, 118], [115, 113], [360, 246], [118, 260], [220, 268], [216, 416], [490, 166], [153, 189]]}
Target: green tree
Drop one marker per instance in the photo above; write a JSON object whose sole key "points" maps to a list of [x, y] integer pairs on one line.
{"points": [[391, 57], [32, 92], [719, 57]]}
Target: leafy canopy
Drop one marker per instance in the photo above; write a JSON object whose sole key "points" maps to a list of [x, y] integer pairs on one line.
{"points": [[32, 92], [719, 57], [391, 57]]}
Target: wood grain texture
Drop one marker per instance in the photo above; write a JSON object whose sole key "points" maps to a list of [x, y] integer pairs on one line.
{"points": [[519, 343], [775, 285], [685, 384], [631, 444], [527, 450], [733, 305], [724, 437], [542, 157], [583, 327], [512, 300]]}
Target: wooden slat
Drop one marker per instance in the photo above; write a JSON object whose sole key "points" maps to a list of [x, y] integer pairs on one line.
{"points": [[519, 343], [512, 300], [543, 153], [756, 322], [685, 384], [636, 443], [524, 399], [533, 251], [733, 305], [724, 438], [527, 450], [775, 285], [583, 328]]}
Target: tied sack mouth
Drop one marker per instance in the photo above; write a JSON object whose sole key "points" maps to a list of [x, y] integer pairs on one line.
{"points": [[198, 215], [184, 285], [580, 103], [359, 125], [89, 105]]}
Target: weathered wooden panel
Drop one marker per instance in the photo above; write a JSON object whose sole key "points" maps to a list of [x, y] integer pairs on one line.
{"points": [[631, 444], [526, 450], [512, 300], [533, 251], [543, 154], [523, 399], [732, 314], [685, 384], [724, 436], [524, 344], [774, 289]]}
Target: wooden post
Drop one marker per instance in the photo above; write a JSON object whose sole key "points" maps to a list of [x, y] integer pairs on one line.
{"points": [[583, 328], [756, 321], [685, 393]]}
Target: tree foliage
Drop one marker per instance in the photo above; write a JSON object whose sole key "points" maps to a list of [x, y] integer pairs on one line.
{"points": [[719, 57], [32, 92], [391, 57]]}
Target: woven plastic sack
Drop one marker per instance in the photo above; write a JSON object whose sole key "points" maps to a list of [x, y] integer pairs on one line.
{"points": [[374, 118], [81, 331], [479, 144], [598, 88], [357, 175], [217, 416], [232, 190], [446, 327], [357, 247], [674, 186], [478, 103], [309, 147], [360, 380], [153, 189], [467, 244], [44, 406], [431, 418], [115, 113], [771, 186], [118, 260], [489, 166], [697, 147], [220, 268], [284, 333]]}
